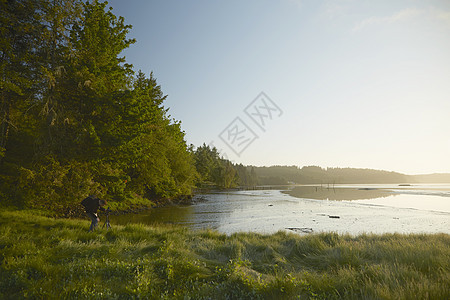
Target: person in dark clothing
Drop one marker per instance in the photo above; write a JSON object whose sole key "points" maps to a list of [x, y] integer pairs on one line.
{"points": [[91, 205]]}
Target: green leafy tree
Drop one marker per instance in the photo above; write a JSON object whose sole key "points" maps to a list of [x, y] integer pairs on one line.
{"points": [[19, 42], [214, 169], [206, 161], [247, 176]]}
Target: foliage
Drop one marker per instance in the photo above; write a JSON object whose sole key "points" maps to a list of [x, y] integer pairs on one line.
{"points": [[59, 257], [222, 173], [75, 118]]}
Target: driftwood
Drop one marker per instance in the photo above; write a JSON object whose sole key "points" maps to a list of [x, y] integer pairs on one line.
{"points": [[301, 229], [334, 217]]}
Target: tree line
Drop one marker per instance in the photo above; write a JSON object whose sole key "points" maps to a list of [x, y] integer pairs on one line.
{"points": [[283, 175]]}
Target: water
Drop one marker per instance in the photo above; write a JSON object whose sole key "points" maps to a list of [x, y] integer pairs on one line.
{"points": [[362, 208]]}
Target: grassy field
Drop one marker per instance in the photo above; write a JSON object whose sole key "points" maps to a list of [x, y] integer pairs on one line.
{"points": [[49, 258]]}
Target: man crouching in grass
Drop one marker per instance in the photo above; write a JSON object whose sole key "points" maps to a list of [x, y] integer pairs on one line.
{"points": [[91, 205]]}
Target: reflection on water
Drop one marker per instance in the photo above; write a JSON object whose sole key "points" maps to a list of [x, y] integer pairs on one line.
{"points": [[337, 193], [207, 211], [412, 201], [379, 209], [176, 214]]}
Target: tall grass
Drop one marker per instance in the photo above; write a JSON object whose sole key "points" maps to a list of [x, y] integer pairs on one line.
{"points": [[47, 258]]}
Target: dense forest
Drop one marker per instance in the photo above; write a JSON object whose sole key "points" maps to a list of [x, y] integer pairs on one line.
{"points": [[76, 119]]}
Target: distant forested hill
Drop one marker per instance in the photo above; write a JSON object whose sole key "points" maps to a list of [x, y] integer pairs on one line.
{"points": [[314, 174]]}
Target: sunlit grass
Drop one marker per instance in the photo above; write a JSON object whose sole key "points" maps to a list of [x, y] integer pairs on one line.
{"points": [[53, 258]]}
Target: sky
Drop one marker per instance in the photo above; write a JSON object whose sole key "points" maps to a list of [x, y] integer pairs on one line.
{"points": [[343, 83]]}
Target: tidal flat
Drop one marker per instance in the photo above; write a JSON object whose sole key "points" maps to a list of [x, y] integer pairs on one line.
{"points": [[361, 209]]}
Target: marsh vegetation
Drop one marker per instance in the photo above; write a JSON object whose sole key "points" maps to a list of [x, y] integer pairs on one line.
{"points": [[50, 258]]}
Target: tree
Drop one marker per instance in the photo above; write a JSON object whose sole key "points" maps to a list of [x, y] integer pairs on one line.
{"points": [[206, 161], [19, 43], [214, 169], [247, 176]]}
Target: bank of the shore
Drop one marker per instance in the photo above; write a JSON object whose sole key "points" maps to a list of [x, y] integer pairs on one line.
{"points": [[56, 258], [76, 210]]}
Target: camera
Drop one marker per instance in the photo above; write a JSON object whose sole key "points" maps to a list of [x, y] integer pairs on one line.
{"points": [[107, 224]]}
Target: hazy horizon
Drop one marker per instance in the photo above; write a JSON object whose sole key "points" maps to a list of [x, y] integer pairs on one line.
{"points": [[358, 84], [343, 167]]}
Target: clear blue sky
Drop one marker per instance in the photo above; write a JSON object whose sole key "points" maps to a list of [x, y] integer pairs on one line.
{"points": [[357, 83]]}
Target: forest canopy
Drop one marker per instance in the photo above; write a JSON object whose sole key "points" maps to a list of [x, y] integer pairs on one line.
{"points": [[75, 118]]}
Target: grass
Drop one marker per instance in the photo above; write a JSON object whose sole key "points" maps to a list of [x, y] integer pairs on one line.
{"points": [[47, 258]]}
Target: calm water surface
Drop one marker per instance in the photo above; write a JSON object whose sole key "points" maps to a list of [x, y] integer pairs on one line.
{"points": [[361, 208]]}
